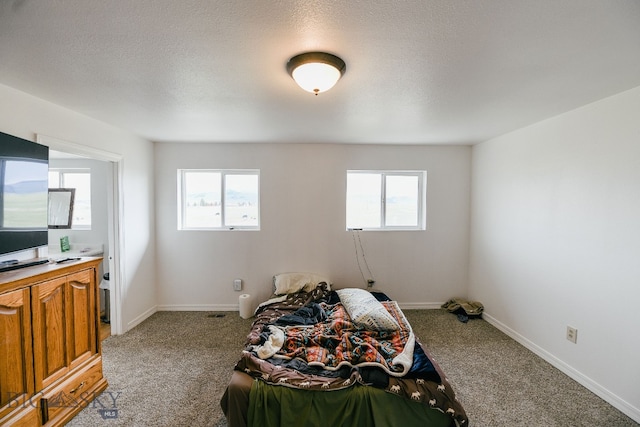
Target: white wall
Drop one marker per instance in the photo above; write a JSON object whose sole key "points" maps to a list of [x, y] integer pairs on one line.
{"points": [[555, 235], [25, 116], [99, 232], [303, 224]]}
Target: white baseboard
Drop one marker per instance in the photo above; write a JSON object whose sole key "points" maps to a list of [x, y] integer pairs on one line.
{"points": [[236, 307], [198, 307], [420, 305], [614, 400], [141, 318]]}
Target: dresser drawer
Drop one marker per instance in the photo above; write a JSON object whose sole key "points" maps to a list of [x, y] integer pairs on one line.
{"points": [[27, 417], [73, 394]]}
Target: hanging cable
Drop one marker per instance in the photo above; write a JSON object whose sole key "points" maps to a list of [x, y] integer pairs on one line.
{"points": [[355, 246], [368, 280]]}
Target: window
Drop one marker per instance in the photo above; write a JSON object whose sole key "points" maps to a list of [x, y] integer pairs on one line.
{"points": [[218, 199], [80, 179], [386, 200]]}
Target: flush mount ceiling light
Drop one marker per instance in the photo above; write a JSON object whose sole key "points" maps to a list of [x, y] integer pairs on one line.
{"points": [[316, 72]]}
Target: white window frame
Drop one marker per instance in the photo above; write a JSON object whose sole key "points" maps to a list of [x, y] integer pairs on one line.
{"points": [[421, 202], [61, 172], [224, 173]]}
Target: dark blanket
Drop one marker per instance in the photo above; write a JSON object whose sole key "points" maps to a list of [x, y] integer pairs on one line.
{"points": [[310, 314]]}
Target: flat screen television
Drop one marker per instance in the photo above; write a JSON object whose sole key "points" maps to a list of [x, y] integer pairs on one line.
{"points": [[24, 172]]}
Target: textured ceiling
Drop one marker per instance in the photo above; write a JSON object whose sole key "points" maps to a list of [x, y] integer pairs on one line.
{"points": [[418, 71]]}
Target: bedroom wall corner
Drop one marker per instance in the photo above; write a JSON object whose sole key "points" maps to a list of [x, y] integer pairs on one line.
{"points": [[554, 242]]}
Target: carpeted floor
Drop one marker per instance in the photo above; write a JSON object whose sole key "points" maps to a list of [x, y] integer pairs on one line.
{"points": [[173, 368]]}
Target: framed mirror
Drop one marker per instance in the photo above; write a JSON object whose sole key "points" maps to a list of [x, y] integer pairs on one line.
{"points": [[61, 207]]}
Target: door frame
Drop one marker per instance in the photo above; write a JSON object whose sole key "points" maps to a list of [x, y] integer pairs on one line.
{"points": [[115, 213]]}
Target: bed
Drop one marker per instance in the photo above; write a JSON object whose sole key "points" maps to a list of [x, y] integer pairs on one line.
{"points": [[347, 357]]}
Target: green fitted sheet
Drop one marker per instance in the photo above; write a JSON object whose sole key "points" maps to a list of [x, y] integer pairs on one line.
{"points": [[279, 406]]}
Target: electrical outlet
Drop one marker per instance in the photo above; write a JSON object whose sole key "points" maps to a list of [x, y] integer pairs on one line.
{"points": [[237, 284], [572, 334]]}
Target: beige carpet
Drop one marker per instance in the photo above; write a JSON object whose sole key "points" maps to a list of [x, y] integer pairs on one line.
{"points": [[173, 368]]}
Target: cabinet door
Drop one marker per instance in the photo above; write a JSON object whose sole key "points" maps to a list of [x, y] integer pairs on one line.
{"points": [[16, 356], [51, 359], [64, 325], [81, 317]]}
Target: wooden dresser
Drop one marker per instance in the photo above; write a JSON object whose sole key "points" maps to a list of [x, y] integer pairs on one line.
{"points": [[50, 357]]}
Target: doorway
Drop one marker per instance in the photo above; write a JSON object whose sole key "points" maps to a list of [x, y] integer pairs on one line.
{"points": [[113, 207]]}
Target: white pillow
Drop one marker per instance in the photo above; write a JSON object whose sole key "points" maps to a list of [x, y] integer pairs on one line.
{"points": [[289, 283], [365, 310]]}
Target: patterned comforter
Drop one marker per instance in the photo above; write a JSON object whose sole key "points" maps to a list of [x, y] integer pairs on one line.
{"points": [[335, 354], [338, 342]]}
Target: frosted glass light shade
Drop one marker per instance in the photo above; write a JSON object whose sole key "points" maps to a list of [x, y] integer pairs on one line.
{"points": [[316, 72], [316, 77]]}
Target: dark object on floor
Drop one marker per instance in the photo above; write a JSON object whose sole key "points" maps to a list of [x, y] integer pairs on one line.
{"points": [[463, 318], [464, 309], [104, 285]]}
